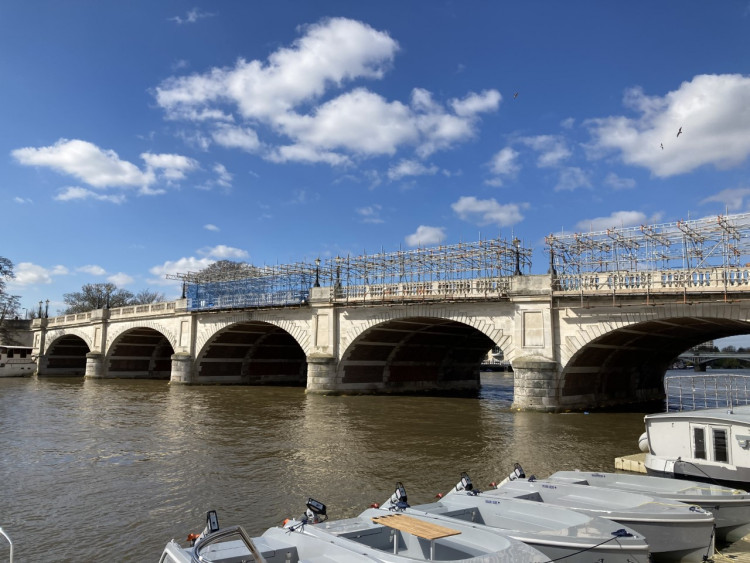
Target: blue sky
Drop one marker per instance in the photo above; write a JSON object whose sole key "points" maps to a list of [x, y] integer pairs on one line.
{"points": [[144, 138]]}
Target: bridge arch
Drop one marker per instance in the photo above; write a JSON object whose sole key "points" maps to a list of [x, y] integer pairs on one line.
{"points": [[627, 363], [251, 351], [65, 353], [414, 352], [139, 352]]}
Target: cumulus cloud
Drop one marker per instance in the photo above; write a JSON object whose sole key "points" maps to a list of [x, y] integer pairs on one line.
{"points": [[488, 211], [617, 220], [97, 167], [103, 169], [27, 274], [286, 96], [426, 236], [733, 199], [180, 266], [410, 168], [23, 200], [710, 109], [552, 148], [223, 252], [210, 227], [504, 163], [92, 269]]}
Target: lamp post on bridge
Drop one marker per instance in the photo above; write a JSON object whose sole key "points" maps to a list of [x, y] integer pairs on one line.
{"points": [[517, 245], [46, 309], [40, 309], [317, 272]]}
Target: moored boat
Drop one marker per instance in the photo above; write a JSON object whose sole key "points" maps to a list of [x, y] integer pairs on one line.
{"points": [[730, 507], [675, 531], [707, 435], [16, 361], [557, 532]]}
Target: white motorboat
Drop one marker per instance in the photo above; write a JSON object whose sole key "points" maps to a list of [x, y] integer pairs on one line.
{"points": [[372, 536], [730, 507], [675, 531], [708, 437], [16, 361], [557, 532]]}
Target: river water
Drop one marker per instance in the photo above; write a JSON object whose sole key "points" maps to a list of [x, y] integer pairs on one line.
{"points": [[94, 470]]}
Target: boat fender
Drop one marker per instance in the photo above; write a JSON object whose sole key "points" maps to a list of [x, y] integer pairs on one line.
{"points": [[192, 537], [374, 505], [643, 442], [622, 533]]}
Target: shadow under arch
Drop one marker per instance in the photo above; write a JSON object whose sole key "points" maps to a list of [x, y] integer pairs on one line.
{"points": [[253, 353], [415, 354], [627, 365], [65, 356], [140, 353]]}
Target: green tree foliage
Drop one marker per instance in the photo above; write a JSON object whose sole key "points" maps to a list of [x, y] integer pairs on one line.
{"points": [[106, 295]]}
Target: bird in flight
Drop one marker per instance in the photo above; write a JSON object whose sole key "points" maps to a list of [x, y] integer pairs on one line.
{"points": [[515, 95], [662, 146], [679, 132]]}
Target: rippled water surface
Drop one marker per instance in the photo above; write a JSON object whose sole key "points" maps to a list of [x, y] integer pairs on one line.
{"points": [[111, 470]]}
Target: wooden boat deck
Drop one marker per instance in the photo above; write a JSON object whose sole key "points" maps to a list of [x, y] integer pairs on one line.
{"points": [[414, 526]]}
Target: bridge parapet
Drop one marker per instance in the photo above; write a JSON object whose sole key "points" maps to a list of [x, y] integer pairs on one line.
{"points": [[422, 291], [159, 309], [658, 281]]}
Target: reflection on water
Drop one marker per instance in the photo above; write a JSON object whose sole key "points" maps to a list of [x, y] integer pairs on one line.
{"points": [[114, 469]]}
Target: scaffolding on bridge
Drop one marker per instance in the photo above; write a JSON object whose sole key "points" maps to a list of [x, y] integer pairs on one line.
{"points": [[721, 242], [237, 285]]}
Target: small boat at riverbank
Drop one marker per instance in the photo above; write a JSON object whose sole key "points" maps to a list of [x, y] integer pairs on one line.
{"points": [[674, 530], [730, 507], [372, 536], [557, 532], [16, 361], [707, 437]]}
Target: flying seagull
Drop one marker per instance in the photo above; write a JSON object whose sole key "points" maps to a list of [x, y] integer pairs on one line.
{"points": [[662, 146], [679, 132], [515, 95]]}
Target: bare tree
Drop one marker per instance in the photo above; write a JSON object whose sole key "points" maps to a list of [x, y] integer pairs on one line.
{"points": [[146, 296], [9, 304], [96, 296]]}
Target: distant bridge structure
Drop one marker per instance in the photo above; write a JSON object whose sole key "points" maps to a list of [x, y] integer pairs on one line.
{"points": [[599, 329]]}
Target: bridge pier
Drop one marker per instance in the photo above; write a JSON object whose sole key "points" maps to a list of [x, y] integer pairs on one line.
{"points": [[321, 374], [536, 382], [95, 365], [182, 368]]}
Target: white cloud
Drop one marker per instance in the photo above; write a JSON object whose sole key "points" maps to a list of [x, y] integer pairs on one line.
{"points": [[103, 169], [410, 168], [85, 161], [426, 236], [74, 192], [616, 220], [237, 137], [285, 94], [181, 266], [92, 269], [191, 17], [22, 200], [732, 199], [489, 100], [488, 211], [173, 166], [210, 227], [504, 163], [120, 279], [552, 148], [371, 214], [223, 176], [616, 183], [223, 252], [27, 273], [710, 109], [572, 178]]}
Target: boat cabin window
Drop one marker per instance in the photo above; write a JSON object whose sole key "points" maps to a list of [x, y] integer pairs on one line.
{"points": [[699, 442], [720, 445]]}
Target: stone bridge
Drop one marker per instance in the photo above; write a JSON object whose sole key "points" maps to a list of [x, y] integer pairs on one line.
{"points": [[577, 342]]}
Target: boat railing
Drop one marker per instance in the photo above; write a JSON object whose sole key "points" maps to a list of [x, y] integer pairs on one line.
{"points": [[717, 390]]}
